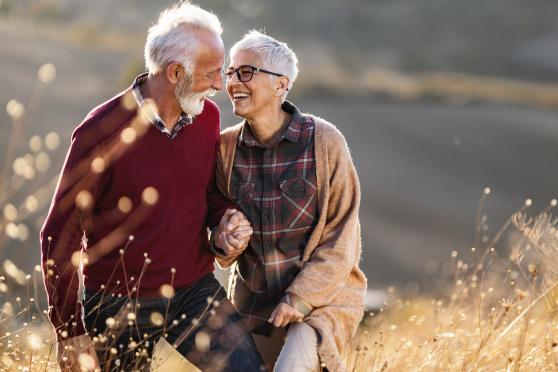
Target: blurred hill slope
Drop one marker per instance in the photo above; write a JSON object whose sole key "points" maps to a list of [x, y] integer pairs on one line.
{"points": [[499, 38], [422, 164]]}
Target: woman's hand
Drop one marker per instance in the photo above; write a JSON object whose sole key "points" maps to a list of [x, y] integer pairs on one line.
{"points": [[233, 233], [285, 314]]}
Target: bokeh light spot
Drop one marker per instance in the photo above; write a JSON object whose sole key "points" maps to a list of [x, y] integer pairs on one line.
{"points": [[167, 291], [156, 318], [124, 204], [46, 73], [10, 212], [42, 162], [98, 165], [52, 141], [35, 144], [15, 109], [150, 195], [128, 135], [80, 258], [32, 203], [86, 362], [84, 199], [35, 341], [202, 341]]}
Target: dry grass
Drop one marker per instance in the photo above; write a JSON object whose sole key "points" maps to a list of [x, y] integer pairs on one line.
{"points": [[498, 313]]}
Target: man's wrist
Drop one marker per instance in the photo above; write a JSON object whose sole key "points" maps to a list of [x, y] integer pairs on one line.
{"points": [[218, 251]]}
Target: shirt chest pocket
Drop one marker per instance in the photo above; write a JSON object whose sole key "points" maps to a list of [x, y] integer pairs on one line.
{"points": [[298, 203], [243, 196]]}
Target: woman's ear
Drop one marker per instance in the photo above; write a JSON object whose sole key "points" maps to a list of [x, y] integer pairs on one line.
{"points": [[282, 87]]}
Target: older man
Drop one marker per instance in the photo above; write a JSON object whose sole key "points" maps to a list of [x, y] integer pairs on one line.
{"points": [[132, 208]]}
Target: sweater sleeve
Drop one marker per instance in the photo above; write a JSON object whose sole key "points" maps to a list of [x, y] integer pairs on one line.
{"points": [[217, 203], [331, 262], [61, 237]]}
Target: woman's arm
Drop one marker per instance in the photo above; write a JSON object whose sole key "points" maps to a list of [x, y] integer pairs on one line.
{"points": [[331, 262]]}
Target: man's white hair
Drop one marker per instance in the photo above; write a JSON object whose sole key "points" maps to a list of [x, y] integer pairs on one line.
{"points": [[172, 38], [276, 56]]}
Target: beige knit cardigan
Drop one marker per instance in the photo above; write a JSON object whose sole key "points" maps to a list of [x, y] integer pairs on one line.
{"points": [[330, 280]]}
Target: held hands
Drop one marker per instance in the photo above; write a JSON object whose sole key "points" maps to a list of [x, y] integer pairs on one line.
{"points": [[233, 233], [76, 354]]}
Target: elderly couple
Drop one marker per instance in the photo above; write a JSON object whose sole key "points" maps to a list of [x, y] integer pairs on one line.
{"points": [[147, 174]]}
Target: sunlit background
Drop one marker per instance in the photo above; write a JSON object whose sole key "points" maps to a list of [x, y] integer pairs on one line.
{"points": [[438, 100]]}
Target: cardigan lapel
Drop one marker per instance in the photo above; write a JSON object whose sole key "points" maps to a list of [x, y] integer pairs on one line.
{"points": [[227, 151]]}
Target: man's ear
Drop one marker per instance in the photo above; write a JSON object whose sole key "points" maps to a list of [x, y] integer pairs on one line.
{"points": [[174, 72]]}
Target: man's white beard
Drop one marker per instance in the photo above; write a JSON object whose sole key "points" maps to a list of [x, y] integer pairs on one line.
{"points": [[191, 103]]}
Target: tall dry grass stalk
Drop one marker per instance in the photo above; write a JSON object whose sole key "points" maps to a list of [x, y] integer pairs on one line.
{"points": [[25, 190]]}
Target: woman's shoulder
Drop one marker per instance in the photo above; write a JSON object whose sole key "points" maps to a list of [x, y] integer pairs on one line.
{"points": [[327, 131], [231, 132]]}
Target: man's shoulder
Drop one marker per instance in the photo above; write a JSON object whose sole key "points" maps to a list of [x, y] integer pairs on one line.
{"points": [[210, 107], [109, 115], [209, 120], [210, 111]]}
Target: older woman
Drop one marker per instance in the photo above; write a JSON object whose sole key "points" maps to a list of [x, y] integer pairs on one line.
{"points": [[292, 175]]}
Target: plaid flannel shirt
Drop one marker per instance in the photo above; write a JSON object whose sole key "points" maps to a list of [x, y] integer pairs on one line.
{"points": [[276, 188]]}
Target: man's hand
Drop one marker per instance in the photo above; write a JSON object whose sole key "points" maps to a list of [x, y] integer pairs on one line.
{"points": [[77, 354], [285, 314], [233, 233]]}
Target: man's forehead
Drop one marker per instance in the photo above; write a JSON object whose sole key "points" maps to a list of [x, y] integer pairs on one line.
{"points": [[210, 55], [210, 60]]}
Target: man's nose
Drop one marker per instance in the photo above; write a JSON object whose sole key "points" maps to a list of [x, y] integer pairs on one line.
{"points": [[218, 82]]}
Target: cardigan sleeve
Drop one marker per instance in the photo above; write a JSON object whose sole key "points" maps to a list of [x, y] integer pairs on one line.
{"points": [[225, 155], [329, 266], [217, 203]]}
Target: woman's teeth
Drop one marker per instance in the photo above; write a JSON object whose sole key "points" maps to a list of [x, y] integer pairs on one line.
{"points": [[240, 96]]}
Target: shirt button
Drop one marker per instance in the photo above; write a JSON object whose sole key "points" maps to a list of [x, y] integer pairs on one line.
{"points": [[267, 152], [267, 245]]}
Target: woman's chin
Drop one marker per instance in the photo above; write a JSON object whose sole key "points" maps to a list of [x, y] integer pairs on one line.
{"points": [[238, 111]]}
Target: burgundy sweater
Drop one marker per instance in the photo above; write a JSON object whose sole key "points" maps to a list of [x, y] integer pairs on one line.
{"points": [[139, 205]]}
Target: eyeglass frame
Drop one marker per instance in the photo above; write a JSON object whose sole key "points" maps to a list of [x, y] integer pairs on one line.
{"points": [[236, 71]]}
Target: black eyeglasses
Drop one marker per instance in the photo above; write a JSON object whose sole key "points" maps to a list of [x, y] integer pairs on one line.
{"points": [[245, 73]]}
